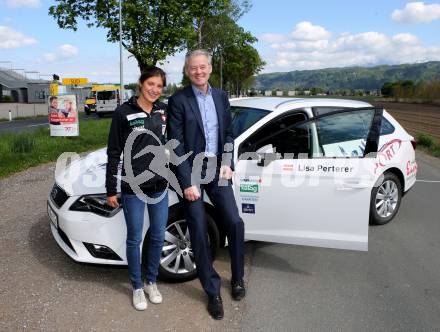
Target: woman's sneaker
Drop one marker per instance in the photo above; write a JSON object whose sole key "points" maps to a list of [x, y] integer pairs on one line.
{"points": [[153, 293], [139, 300]]}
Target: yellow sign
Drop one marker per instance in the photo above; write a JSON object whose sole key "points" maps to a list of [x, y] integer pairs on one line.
{"points": [[54, 89], [75, 81]]}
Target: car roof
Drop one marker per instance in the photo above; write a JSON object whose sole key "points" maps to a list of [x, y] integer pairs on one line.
{"points": [[281, 104]]}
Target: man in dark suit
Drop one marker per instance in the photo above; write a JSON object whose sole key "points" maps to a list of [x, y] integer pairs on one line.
{"points": [[200, 120]]}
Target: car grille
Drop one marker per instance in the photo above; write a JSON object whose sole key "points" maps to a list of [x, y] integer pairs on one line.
{"points": [[58, 195]]}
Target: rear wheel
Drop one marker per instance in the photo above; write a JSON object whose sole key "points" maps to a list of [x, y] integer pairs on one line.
{"points": [[385, 199], [177, 259]]}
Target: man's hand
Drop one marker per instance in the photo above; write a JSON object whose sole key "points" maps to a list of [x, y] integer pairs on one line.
{"points": [[113, 201], [191, 193], [225, 172]]}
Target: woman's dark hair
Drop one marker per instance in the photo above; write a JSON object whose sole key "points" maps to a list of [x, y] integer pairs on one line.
{"points": [[152, 71]]}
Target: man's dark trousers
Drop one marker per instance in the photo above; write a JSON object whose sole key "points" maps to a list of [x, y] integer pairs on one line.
{"points": [[227, 215]]}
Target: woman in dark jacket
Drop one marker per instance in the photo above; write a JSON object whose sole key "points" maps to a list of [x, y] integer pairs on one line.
{"points": [[139, 125]]}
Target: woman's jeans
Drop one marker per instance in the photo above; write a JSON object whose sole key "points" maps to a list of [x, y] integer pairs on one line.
{"points": [[134, 218]]}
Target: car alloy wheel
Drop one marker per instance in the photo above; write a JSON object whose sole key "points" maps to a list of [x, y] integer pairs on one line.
{"points": [[387, 197], [177, 262], [177, 255]]}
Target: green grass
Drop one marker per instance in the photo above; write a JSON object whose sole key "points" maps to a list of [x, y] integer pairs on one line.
{"points": [[428, 144], [31, 148]]}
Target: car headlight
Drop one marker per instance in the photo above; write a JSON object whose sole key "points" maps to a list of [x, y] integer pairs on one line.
{"points": [[96, 204]]}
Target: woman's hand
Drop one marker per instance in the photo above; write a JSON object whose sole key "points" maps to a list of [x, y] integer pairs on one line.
{"points": [[113, 201]]}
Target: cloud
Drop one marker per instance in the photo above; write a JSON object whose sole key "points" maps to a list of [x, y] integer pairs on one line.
{"points": [[68, 50], [23, 3], [10, 38], [405, 38], [345, 49], [308, 31], [417, 12], [63, 52]]}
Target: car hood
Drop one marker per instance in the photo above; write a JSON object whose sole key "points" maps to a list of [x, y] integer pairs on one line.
{"points": [[83, 175]]}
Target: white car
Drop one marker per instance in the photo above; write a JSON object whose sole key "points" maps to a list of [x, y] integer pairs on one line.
{"points": [[307, 172]]}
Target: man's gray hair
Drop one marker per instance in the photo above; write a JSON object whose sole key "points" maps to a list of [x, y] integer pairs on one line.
{"points": [[198, 52]]}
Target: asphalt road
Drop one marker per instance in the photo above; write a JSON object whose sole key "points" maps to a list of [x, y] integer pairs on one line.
{"points": [[30, 124], [393, 286]]}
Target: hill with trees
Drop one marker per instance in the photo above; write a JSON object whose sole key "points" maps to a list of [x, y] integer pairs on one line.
{"points": [[354, 78]]}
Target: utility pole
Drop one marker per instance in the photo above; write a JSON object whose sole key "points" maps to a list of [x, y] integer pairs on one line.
{"points": [[121, 72]]}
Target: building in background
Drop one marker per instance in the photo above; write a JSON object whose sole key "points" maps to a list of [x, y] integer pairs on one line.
{"points": [[15, 87]]}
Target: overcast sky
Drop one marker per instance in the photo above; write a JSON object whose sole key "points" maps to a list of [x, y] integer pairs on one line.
{"points": [[292, 35]]}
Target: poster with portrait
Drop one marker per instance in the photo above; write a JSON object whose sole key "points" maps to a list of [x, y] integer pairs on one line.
{"points": [[63, 116]]}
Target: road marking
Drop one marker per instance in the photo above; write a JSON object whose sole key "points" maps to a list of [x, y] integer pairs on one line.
{"points": [[40, 124], [429, 181]]}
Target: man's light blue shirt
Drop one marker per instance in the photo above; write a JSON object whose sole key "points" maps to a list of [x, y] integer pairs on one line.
{"points": [[209, 119]]}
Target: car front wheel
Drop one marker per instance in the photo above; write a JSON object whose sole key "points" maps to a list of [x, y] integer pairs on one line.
{"points": [[177, 262], [385, 199]]}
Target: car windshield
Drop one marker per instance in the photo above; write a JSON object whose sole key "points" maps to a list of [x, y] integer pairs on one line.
{"points": [[244, 117]]}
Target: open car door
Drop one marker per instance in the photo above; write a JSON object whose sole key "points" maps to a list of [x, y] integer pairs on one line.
{"points": [[309, 183]]}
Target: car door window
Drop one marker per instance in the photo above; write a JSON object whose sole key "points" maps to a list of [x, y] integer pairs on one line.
{"points": [[245, 117], [386, 128], [280, 134], [343, 134]]}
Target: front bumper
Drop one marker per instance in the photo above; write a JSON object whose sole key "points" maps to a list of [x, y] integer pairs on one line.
{"points": [[75, 231]]}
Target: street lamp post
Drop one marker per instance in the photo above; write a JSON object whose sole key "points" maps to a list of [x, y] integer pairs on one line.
{"points": [[121, 72]]}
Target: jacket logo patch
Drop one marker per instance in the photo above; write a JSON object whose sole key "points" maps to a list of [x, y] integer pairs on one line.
{"points": [[139, 115], [139, 129], [164, 118], [138, 122]]}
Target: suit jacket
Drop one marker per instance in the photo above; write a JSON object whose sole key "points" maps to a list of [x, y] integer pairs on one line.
{"points": [[186, 126]]}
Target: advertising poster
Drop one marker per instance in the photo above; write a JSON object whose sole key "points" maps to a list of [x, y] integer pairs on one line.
{"points": [[63, 116]]}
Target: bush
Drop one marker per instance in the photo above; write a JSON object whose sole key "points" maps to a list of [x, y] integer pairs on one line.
{"points": [[425, 140], [7, 99]]}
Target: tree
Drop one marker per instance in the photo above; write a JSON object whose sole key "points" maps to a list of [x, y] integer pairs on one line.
{"points": [[242, 62], [151, 30], [234, 60], [205, 10], [387, 89]]}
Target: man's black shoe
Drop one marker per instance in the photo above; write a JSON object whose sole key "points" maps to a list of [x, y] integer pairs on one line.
{"points": [[237, 289], [215, 306]]}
